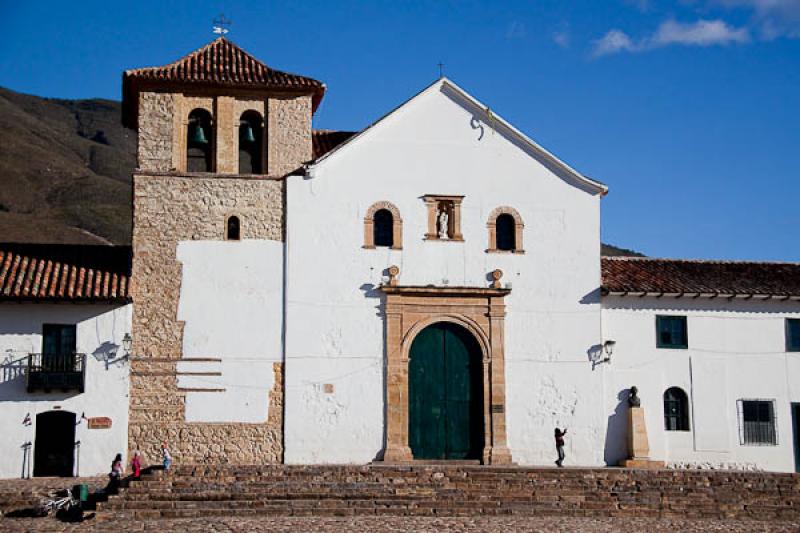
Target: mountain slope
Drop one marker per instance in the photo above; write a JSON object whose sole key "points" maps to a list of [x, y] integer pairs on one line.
{"points": [[65, 170]]}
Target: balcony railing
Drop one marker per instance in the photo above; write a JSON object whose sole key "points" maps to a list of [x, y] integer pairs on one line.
{"points": [[64, 372]]}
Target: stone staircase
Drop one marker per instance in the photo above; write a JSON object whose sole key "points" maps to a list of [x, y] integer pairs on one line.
{"points": [[436, 490]]}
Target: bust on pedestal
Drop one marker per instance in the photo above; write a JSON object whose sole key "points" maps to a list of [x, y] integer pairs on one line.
{"points": [[638, 445]]}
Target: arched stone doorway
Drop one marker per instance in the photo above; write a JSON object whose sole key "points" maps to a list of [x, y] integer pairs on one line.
{"points": [[477, 311], [445, 394], [54, 449]]}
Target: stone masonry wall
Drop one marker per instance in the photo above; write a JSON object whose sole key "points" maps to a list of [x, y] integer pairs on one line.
{"points": [[289, 134], [156, 126], [167, 210]]}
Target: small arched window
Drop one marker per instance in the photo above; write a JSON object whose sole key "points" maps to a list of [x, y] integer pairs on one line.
{"points": [[383, 226], [233, 231], [383, 223], [505, 230], [199, 142], [251, 141], [506, 240], [676, 410]]}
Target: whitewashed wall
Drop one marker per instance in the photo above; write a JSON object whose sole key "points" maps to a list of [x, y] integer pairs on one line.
{"points": [[439, 144], [99, 328], [737, 350], [232, 305]]}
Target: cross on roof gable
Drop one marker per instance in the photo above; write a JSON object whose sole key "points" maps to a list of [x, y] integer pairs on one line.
{"points": [[221, 64]]}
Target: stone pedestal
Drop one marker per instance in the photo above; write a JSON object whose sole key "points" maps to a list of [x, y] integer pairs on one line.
{"points": [[638, 445]]}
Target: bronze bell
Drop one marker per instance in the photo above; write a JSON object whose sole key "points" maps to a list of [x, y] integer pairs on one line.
{"points": [[246, 132], [198, 135]]}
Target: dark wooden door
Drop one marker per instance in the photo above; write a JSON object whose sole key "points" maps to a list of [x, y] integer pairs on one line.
{"points": [[54, 449], [445, 394]]}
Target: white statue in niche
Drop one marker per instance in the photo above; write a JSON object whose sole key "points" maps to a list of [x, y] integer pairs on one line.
{"points": [[443, 220]]}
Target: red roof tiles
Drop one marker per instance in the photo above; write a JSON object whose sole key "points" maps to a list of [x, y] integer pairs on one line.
{"points": [[687, 277], [326, 140], [52, 272], [220, 63]]}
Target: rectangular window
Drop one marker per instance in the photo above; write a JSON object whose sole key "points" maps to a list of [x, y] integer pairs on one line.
{"points": [[58, 339], [58, 347], [757, 422], [793, 334], [671, 332]]}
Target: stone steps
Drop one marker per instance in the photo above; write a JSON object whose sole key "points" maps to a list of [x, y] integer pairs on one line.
{"points": [[443, 490]]}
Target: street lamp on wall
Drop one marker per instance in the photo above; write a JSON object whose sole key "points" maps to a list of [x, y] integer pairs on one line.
{"points": [[127, 342]]}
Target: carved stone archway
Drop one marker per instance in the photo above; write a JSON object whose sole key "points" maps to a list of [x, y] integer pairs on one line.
{"points": [[481, 311]]}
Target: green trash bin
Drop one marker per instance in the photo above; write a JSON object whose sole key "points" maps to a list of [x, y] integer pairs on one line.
{"points": [[81, 493]]}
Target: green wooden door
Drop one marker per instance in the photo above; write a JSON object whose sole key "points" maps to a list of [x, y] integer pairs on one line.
{"points": [[445, 394]]}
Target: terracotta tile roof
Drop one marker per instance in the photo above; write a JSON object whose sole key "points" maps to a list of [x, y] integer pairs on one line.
{"points": [[713, 278], [53, 272], [220, 63], [326, 140]]}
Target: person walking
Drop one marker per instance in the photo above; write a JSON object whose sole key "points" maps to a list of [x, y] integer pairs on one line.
{"points": [[136, 465], [115, 476], [559, 434], [166, 456]]}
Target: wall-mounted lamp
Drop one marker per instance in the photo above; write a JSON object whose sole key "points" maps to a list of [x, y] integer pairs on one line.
{"points": [[110, 356], [608, 349]]}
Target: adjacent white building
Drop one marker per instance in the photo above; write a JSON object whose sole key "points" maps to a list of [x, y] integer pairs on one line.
{"points": [[64, 312]]}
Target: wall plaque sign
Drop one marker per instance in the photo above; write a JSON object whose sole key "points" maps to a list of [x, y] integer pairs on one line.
{"points": [[99, 422]]}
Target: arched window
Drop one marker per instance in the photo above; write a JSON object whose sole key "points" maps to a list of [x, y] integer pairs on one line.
{"points": [[233, 232], [505, 232], [676, 410], [199, 142], [251, 141], [382, 228]]}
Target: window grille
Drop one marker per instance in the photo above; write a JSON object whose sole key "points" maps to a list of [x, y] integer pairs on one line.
{"points": [[676, 410], [671, 332], [757, 425]]}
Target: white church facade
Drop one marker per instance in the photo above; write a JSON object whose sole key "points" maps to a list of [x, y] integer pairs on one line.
{"points": [[428, 289]]}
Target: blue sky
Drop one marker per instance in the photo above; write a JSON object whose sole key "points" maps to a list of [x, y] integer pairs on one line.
{"points": [[688, 109]]}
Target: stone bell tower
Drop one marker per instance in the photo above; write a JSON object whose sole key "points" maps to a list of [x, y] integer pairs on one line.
{"points": [[218, 131]]}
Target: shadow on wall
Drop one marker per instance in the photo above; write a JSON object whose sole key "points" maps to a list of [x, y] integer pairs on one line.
{"points": [[12, 379], [374, 292], [13, 384], [616, 445]]}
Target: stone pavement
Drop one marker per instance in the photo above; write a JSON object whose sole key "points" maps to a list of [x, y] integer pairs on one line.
{"points": [[392, 524]]}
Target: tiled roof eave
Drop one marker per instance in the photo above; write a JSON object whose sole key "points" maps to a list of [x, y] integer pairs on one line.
{"points": [[707, 295]]}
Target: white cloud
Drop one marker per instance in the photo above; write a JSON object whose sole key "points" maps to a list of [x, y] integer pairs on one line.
{"points": [[701, 33], [515, 30], [612, 42], [773, 18], [561, 38], [671, 32]]}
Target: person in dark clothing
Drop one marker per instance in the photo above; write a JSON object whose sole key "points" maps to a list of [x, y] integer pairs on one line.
{"points": [[115, 476], [559, 434]]}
